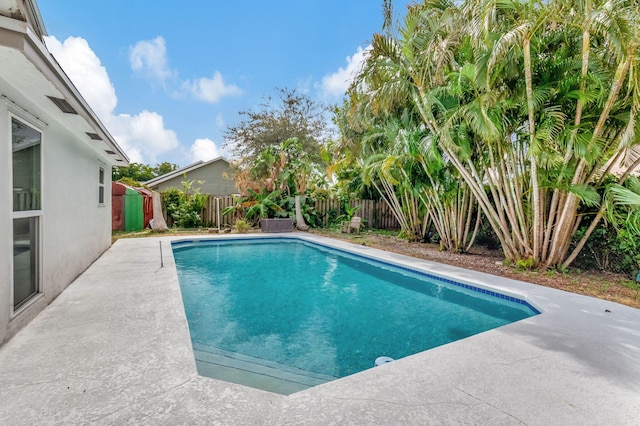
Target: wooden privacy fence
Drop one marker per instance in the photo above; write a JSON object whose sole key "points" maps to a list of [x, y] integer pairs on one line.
{"points": [[375, 213], [210, 214]]}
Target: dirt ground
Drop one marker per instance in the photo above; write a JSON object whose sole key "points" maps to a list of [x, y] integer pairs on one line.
{"points": [[615, 287], [604, 285]]}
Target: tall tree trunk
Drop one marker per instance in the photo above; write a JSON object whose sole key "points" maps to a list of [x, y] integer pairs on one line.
{"points": [[562, 238], [300, 223], [158, 224], [556, 198], [535, 188]]}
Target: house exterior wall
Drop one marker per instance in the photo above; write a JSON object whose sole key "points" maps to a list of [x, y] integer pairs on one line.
{"points": [[213, 176], [73, 236], [74, 228]]}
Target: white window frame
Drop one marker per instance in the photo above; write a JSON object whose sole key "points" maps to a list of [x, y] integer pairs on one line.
{"points": [[101, 188], [39, 214]]}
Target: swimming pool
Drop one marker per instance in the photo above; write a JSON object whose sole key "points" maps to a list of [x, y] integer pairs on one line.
{"points": [[285, 314]]}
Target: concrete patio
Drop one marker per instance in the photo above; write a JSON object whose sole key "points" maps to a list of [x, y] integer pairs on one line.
{"points": [[114, 348]]}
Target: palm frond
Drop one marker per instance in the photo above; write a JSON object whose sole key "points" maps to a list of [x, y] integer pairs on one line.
{"points": [[587, 194]]}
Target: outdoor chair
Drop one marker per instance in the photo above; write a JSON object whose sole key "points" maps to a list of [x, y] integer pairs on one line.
{"points": [[353, 224]]}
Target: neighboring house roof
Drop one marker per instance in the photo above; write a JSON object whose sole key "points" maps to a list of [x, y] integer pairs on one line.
{"points": [[179, 172], [39, 82]]}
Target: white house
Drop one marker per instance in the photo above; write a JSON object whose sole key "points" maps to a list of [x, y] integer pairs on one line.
{"points": [[55, 172]]}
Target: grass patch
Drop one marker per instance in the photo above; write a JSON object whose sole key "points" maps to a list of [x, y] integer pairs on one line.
{"points": [[116, 235]]}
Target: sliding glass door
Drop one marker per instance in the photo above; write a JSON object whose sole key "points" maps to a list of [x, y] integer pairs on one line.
{"points": [[25, 259]]}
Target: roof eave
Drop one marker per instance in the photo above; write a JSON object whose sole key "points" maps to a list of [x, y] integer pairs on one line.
{"points": [[19, 36], [168, 176], [37, 52]]}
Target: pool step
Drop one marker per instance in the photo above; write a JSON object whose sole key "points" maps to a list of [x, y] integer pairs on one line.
{"points": [[255, 372]]}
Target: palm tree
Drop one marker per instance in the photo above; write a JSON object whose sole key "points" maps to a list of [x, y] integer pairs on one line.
{"points": [[394, 173], [531, 102], [402, 158], [610, 39]]}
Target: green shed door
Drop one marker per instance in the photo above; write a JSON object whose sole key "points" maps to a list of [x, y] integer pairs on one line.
{"points": [[133, 215]]}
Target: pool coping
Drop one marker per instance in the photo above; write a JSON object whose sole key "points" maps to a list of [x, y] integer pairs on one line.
{"points": [[114, 348]]}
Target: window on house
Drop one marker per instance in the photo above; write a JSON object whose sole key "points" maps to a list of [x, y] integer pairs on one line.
{"points": [[27, 210], [26, 167], [25, 260], [101, 186]]}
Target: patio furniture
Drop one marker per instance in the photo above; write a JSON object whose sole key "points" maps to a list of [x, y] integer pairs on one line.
{"points": [[276, 225]]}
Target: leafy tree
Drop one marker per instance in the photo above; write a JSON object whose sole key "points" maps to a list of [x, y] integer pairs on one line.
{"points": [[401, 158], [142, 172], [281, 180], [530, 103], [164, 168], [130, 182], [264, 204], [258, 205], [185, 206], [291, 115], [136, 171]]}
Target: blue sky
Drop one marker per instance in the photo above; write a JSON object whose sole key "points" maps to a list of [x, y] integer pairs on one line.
{"points": [[167, 78]]}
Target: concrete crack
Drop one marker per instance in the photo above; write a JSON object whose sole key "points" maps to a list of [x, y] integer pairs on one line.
{"points": [[538, 356], [492, 406], [152, 396]]}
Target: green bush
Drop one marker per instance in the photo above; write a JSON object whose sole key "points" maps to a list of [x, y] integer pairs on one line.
{"points": [[241, 226], [608, 249], [487, 237], [184, 207]]}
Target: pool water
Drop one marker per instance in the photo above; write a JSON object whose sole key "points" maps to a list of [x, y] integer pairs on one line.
{"points": [[285, 314]]}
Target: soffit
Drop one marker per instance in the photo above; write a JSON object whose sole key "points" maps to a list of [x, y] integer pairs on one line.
{"points": [[25, 11], [31, 76], [11, 9]]}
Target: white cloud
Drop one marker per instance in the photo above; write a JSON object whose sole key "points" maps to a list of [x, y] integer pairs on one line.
{"points": [[211, 89], [143, 133], [87, 73], [150, 57], [135, 156], [142, 136], [335, 85], [203, 149], [304, 85]]}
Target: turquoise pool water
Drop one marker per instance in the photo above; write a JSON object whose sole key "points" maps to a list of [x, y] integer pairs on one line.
{"points": [[284, 314]]}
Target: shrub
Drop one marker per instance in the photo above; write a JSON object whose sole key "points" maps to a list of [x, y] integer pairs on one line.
{"points": [[184, 207], [608, 249], [241, 226]]}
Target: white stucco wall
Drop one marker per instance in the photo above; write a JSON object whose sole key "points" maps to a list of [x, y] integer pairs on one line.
{"points": [[75, 228]]}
